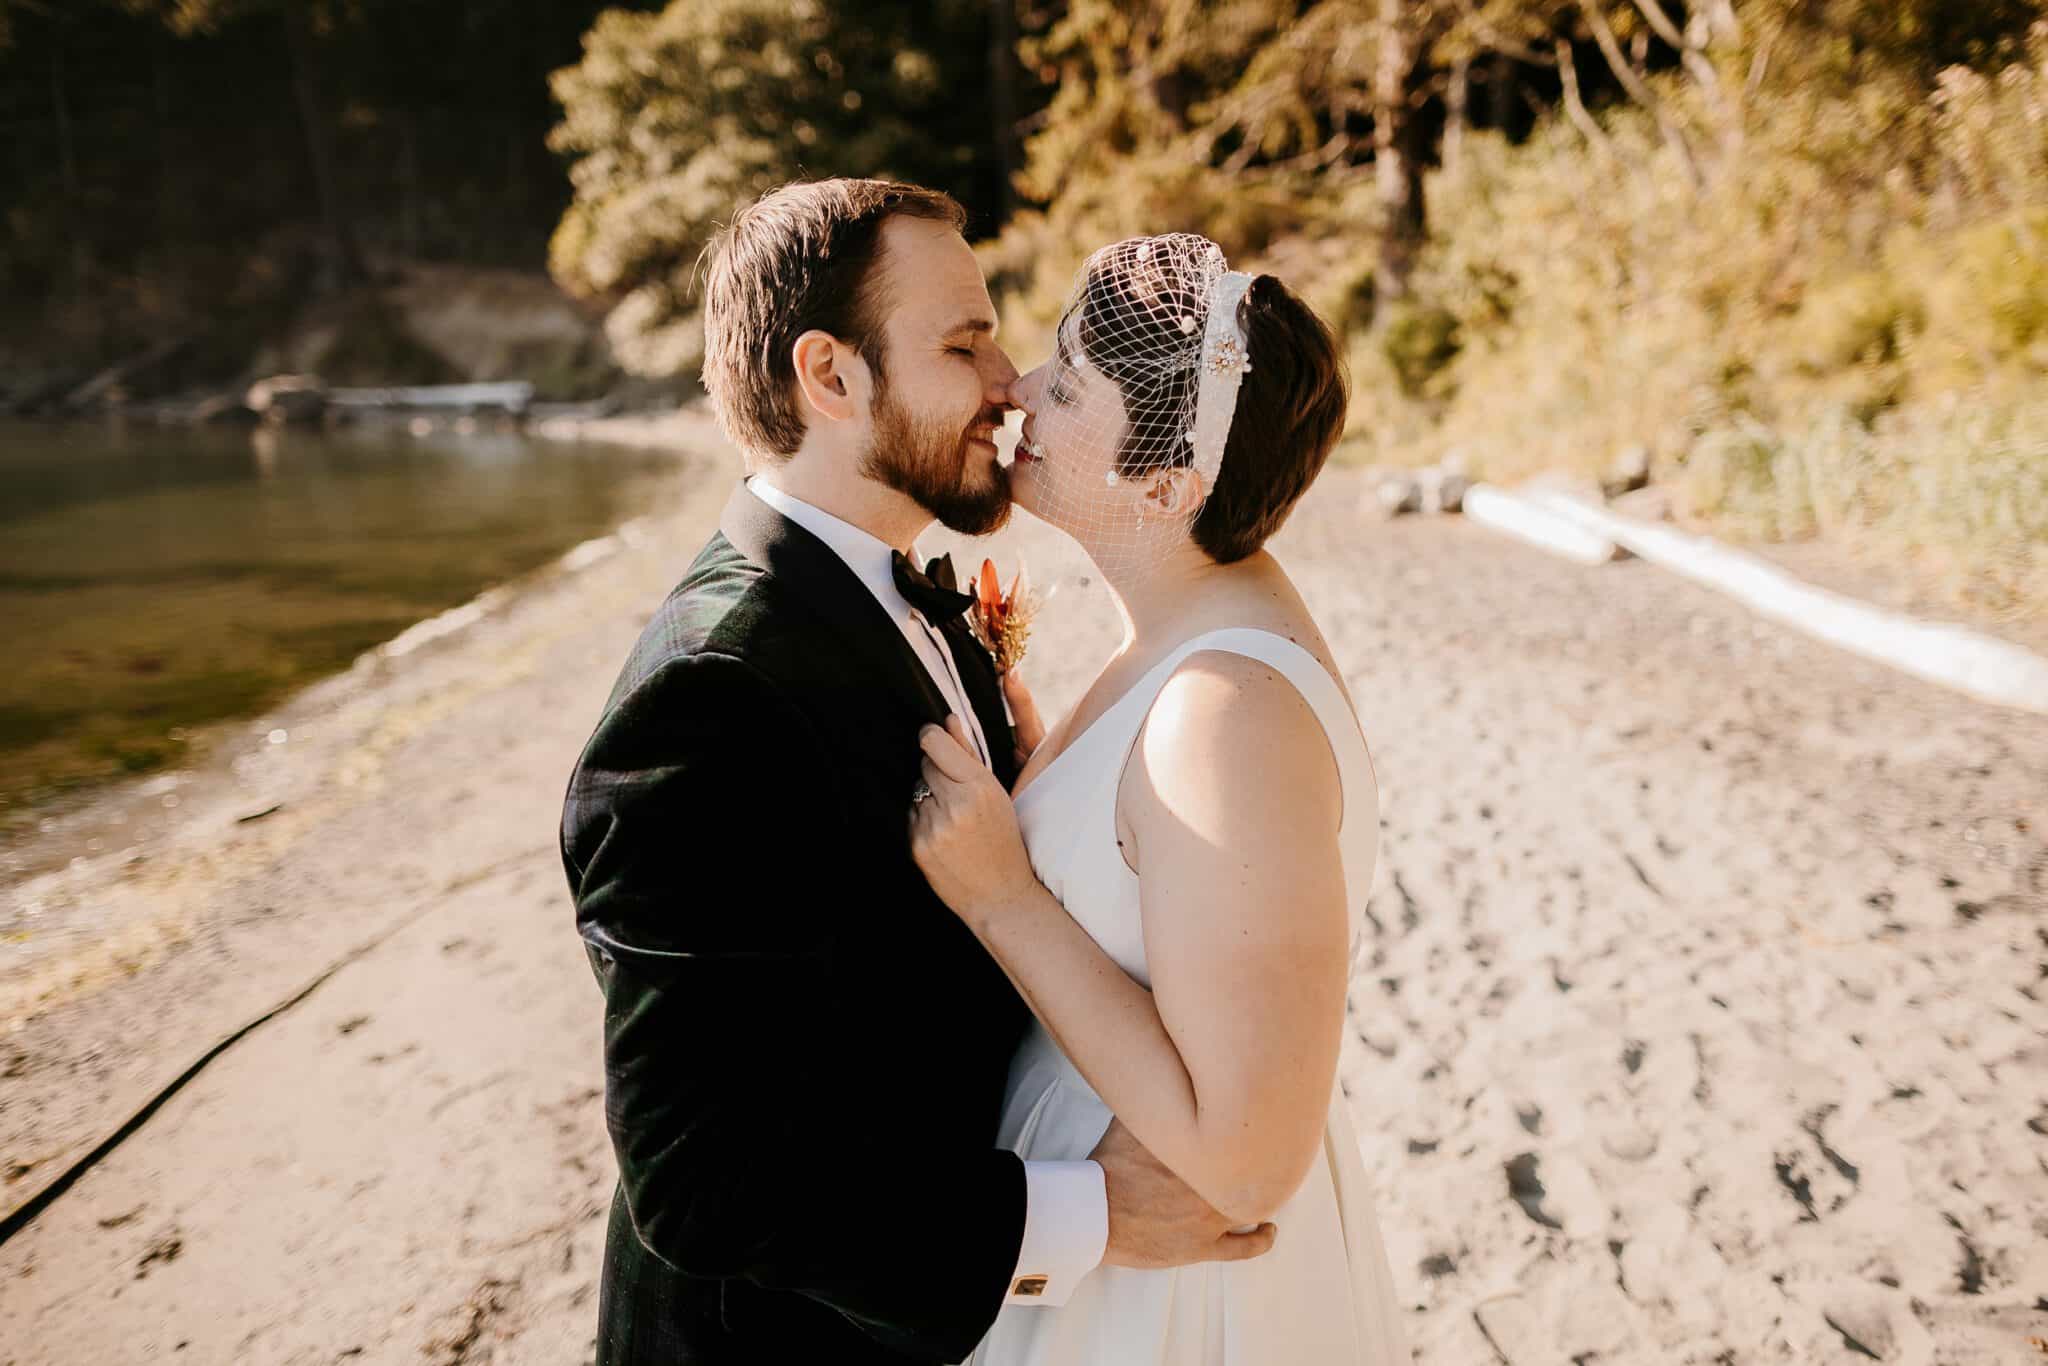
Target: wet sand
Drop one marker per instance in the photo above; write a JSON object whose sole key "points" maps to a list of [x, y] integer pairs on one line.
{"points": [[1703, 1020]]}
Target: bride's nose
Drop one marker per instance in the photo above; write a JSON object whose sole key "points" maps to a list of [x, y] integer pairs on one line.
{"points": [[1021, 393]]}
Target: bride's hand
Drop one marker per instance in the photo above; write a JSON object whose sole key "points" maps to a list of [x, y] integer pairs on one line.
{"points": [[1028, 729], [964, 836]]}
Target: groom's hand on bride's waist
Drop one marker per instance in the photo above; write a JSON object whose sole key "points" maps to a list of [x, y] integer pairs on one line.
{"points": [[1156, 1220]]}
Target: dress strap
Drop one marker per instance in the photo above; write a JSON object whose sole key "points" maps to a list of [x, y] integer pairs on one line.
{"points": [[1324, 695]]}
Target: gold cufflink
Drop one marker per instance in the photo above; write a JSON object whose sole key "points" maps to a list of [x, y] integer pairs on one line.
{"points": [[1029, 1285]]}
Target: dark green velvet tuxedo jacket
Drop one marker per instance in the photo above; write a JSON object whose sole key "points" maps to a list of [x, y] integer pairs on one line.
{"points": [[804, 1050]]}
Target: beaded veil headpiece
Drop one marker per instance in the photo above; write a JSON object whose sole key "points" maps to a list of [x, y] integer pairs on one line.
{"points": [[1148, 360]]}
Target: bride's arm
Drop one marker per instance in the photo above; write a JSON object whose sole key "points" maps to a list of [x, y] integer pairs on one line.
{"points": [[1224, 1069]]}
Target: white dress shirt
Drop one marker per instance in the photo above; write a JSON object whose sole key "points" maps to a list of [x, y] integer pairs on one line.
{"points": [[1066, 1211]]}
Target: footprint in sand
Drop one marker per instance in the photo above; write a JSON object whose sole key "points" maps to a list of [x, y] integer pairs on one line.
{"points": [[1527, 1189]]}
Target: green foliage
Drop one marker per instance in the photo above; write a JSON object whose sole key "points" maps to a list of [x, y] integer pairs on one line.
{"points": [[562, 371], [1031, 267], [1752, 475], [1839, 334], [1420, 342], [161, 181], [1865, 319], [1996, 296], [674, 118], [1184, 116], [1132, 82], [188, 17], [1776, 254], [1840, 39], [1960, 485], [372, 345]]}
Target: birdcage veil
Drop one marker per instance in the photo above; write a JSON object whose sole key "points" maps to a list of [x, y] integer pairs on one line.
{"points": [[1144, 377]]}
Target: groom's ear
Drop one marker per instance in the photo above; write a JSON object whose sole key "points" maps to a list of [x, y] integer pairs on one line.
{"points": [[831, 376]]}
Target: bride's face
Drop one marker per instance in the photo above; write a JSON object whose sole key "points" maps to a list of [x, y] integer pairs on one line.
{"points": [[1065, 468]]}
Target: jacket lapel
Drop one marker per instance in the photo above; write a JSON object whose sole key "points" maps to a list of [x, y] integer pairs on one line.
{"points": [[985, 694], [818, 576]]}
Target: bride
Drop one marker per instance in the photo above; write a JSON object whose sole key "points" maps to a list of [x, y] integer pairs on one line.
{"points": [[1175, 884]]}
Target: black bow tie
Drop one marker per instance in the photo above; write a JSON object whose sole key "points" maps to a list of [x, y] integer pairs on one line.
{"points": [[931, 592]]}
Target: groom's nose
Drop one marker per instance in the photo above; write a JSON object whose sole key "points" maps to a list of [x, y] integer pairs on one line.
{"points": [[1013, 395], [1002, 377]]}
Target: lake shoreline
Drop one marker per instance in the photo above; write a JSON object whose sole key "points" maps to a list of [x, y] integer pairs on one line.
{"points": [[146, 647], [199, 898]]}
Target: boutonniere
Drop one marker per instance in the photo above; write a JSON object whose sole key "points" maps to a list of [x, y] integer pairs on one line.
{"points": [[1002, 621]]}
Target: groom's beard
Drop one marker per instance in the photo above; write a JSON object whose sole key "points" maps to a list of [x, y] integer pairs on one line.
{"points": [[927, 462]]}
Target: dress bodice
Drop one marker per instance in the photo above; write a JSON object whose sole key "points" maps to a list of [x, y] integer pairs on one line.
{"points": [[1324, 1293], [1067, 812]]}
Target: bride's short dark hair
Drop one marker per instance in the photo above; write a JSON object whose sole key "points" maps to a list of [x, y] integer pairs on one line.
{"points": [[1290, 413], [1290, 407]]}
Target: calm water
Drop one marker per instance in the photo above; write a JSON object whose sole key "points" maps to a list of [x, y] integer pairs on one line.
{"points": [[152, 580]]}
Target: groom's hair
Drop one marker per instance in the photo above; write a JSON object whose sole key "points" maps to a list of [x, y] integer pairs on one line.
{"points": [[801, 257]]}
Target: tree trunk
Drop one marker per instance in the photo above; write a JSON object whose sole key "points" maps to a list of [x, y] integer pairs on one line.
{"points": [[1722, 25], [1002, 76], [1397, 171], [1500, 93], [1457, 111], [1691, 44], [1632, 82], [515, 166], [409, 218], [1574, 105], [166, 177], [67, 163], [344, 263]]}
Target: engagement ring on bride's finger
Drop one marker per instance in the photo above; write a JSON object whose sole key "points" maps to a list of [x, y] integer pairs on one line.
{"points": [[920, 792]]}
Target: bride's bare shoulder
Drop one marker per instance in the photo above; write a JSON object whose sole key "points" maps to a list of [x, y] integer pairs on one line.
{"points": [[1228, 738], [1260, 595]]}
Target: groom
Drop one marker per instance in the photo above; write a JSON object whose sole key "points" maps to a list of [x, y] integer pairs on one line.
{"points": [[805, 1052]]}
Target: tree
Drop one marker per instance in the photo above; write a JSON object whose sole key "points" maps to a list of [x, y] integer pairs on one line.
{"points": [[1726, 50], [305, 25], [1408, 38], [1348, 78], [675, 118]]}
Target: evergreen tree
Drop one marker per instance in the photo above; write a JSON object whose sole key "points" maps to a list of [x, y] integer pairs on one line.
{"points": [[675, 118]]}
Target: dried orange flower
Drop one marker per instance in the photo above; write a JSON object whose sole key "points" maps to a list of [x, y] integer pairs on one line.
{"points": [[1002, 621]]}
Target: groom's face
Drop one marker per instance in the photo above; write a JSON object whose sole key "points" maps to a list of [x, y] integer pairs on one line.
{"points": [[943, 385]]}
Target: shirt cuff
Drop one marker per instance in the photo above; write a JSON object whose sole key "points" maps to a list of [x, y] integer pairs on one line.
{"points": [[1066, 1229]]}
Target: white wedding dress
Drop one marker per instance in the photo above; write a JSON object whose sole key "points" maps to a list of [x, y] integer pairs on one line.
{"points": [[1323, 1295]]}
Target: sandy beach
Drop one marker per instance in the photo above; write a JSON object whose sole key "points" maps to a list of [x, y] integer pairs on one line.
{"points": [[1704, 1019]]}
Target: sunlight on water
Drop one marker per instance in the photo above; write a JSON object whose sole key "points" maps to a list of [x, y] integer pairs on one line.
{"points": [[155, 580]]}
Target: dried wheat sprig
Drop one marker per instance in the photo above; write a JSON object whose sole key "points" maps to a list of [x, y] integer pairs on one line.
{"points": [[1002, 621]]}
